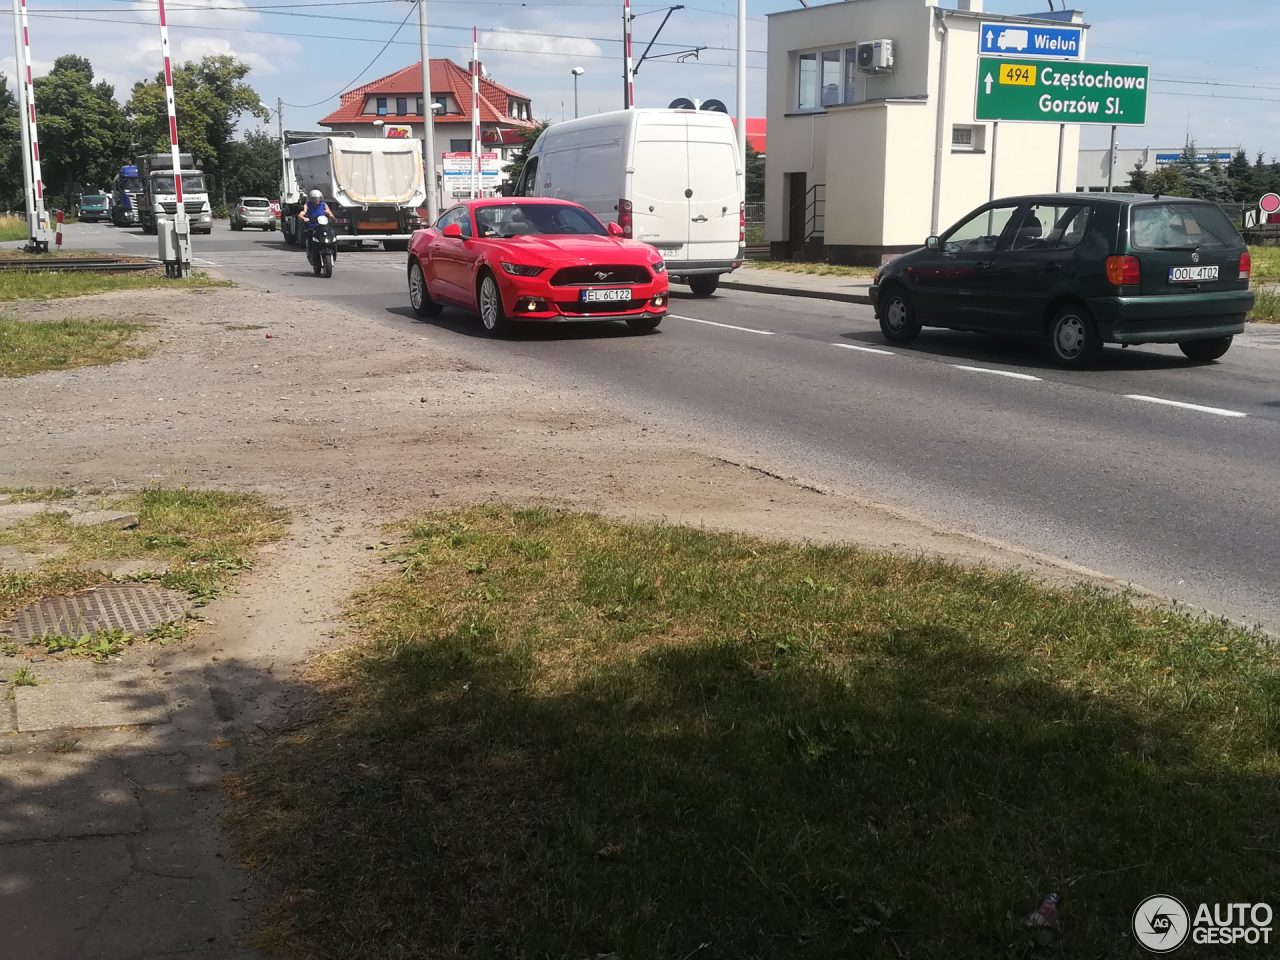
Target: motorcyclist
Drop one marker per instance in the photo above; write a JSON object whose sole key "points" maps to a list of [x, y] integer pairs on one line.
{"points": [[314, 207]]}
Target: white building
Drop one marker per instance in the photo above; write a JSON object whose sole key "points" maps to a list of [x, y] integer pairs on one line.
{"points": [[868, 164], [1091, 175]]}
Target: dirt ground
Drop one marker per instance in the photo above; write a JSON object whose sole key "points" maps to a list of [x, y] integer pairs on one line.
{"points": [[350, 426]]}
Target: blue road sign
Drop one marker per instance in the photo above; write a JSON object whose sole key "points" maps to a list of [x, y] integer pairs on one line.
{"points": [[1029, 40]]}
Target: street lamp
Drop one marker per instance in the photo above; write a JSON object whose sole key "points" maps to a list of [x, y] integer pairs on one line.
{"points": [[577, 72]]}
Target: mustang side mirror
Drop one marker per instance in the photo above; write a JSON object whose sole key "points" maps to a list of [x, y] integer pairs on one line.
{"points": [[453, 230], [614, 229], [933, 243]]}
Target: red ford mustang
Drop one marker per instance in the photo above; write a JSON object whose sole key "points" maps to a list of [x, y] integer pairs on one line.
{"points": [[528, 258]]}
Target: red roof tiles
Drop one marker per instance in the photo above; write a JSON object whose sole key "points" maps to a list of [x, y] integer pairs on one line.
{"points": [[446, 77]]}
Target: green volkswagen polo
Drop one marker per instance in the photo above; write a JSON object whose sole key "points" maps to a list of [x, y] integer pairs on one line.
{"points": [[1077, 271]]}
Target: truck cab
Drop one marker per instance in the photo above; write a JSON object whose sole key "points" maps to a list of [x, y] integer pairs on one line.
{"points": [[159, 199]]}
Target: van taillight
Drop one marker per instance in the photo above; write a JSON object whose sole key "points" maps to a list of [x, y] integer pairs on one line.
{"points": [[1246, 265], [742, 223], [1124, 271], [624, 217]]}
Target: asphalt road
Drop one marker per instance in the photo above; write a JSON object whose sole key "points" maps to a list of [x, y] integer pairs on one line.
{"points": [[977, 434]]}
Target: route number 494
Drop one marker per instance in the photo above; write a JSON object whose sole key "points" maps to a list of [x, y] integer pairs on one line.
{"points": [[1018, 75]]}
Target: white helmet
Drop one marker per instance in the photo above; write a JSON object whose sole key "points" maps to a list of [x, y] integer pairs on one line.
{"points": [[315, 196]]}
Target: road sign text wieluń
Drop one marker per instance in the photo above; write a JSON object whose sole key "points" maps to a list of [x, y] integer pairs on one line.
{"points": [[1057, 91]]}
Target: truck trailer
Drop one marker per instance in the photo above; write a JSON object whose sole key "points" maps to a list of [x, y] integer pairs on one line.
{"points": [[374, 187]]}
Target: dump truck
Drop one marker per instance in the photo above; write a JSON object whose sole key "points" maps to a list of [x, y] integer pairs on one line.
{"points": [[158, 198], [373, 187]]}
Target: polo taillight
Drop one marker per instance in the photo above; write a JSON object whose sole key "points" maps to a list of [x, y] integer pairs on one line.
{"points": [[1246, 265], [1124, 271], [624, 218]]}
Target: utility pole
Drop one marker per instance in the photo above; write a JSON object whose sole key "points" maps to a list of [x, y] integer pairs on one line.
{"points": [[1111, 162], [742, 92], [284, 188], [577, 72], [428, 119], [628, 69]]}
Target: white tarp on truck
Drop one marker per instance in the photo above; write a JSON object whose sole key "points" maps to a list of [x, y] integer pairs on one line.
{"points": [[360, 171]]}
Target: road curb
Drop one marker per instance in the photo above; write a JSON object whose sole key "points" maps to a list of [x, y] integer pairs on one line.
{"points": [[795, 292]]}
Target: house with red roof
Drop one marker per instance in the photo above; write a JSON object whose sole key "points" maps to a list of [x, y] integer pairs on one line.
{"points": [[392, 107]]}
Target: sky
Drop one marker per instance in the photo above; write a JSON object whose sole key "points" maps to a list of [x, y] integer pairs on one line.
{"points": [[1216, 76]]}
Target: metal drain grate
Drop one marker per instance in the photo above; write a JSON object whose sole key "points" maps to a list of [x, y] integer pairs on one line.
{"points": [[135, 608]]}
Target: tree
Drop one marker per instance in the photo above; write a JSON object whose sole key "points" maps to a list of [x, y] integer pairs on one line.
{"points": [[1139, 179], [1168, 181], [84, 137], [1201, 181], [210, 97], [755, 174], [11, 193], [253, 166], [515, 166]]}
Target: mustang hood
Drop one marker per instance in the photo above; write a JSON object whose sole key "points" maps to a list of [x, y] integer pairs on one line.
{"points": [[573, 247]]}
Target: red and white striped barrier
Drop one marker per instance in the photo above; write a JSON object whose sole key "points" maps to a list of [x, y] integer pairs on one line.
{"points": [[58, 236], [180, 213]]}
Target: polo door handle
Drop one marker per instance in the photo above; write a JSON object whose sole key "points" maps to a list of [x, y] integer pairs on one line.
{"points": [[1053, 268]]}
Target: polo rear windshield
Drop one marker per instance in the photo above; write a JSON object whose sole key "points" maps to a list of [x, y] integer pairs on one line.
{"points": [[1182, 226]]}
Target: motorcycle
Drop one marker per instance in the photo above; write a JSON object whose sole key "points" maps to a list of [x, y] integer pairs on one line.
{"points": [[322, 247]]}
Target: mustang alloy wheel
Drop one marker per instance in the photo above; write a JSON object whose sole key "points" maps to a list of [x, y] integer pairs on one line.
{"points": [[419, 298], [491, 313]]}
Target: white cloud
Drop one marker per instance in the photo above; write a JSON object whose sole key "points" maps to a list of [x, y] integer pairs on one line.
{"points": [[507, 41]]}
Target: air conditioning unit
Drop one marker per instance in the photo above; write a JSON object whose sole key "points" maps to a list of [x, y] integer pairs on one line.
{"points": [[875, 56]]}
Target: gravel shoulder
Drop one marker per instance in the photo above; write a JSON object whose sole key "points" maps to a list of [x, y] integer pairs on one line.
{"points": [[349, 427]]}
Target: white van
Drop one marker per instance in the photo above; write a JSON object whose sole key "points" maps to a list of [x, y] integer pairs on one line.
{"points": [[671, 178]]}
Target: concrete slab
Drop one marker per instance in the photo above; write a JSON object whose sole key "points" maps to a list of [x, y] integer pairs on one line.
{"points": [[11, 558], [100, 703], [53, 796], [105, 518], [11, 513], [122, 568]]}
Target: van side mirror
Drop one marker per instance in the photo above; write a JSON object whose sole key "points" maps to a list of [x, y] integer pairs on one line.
{"points": [[453, 230], [614, 229], [933, 243]]}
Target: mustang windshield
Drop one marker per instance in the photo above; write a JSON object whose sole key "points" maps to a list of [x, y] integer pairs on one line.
{"points": [[536, 219]]}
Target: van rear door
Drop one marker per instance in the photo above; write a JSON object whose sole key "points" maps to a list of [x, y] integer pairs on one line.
{"points": [[660, 177], [714, 217]]}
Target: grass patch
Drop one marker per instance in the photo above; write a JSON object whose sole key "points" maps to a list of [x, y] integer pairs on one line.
{"points": [[35, 494], [15, 285], [205, 538], [1266, 264], [812, 269], [13, 228], [1267, 307], [562, 736], [29, 347]]}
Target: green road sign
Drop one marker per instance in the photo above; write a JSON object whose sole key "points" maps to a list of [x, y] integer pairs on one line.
{"points": [[1061, 91]]}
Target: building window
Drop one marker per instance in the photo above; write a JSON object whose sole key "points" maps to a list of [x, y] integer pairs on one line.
{"points": [[417, 106], [382, 106], [402, 106], [831, 92], [968, 139], [826, 78], [851, 75], [459, 146]]}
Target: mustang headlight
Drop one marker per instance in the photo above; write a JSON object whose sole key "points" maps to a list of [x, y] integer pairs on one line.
{"points": [[659, 267], [520, 270]]}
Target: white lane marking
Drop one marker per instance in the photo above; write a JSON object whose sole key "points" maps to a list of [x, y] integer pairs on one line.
{"points": [[727, 326], [1216, 411], [850, 346], [998, 373]]}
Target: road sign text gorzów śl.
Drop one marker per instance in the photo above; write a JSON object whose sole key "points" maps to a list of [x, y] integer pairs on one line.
{"points": [[1057, 91]]}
